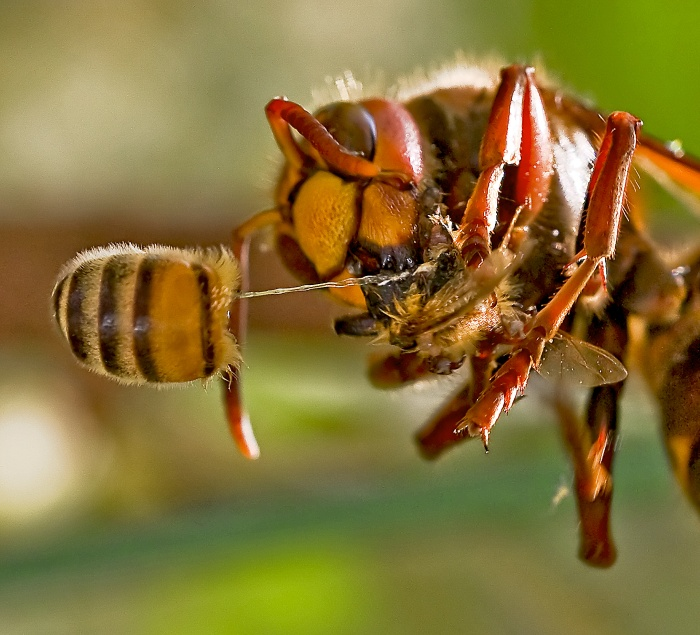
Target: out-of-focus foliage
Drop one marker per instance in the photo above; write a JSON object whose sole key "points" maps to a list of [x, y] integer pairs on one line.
{"points": [[103, 106], [125, 510]]}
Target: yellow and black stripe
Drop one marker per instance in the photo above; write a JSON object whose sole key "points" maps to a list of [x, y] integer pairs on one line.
{"points": [[149, 315]]}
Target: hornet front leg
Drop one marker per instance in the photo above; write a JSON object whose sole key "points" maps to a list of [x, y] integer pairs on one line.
{"points": [[606, 196]]}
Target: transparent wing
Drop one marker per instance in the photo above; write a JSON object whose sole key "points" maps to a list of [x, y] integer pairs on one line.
{"points": [[576, 363]]}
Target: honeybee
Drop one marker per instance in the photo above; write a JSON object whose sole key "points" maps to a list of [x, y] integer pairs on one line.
{"points": [[149, 315], [478, 219]]}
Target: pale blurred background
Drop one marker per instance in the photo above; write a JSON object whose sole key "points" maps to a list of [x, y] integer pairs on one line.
{"points": [[126, 510]]}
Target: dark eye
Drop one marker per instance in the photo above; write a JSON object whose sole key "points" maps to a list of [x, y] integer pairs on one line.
{"points": [[351, 126]]}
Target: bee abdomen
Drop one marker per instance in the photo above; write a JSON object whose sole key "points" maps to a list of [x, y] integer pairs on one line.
{"points": [[152, 315]]}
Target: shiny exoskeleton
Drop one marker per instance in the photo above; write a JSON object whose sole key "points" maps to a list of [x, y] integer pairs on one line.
{"points": [[490, 212], [480, 219]]}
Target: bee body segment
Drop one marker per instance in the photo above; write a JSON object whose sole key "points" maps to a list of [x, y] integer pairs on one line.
{"points": [[149, 315]]}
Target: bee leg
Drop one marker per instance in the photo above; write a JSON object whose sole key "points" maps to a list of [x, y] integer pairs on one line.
{"points": [[606, 198], [238, 420], [395, 369], [357, 325], [517, 134]]}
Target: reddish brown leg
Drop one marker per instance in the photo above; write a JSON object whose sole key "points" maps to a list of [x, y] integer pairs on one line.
{"points": [[595, 488], [607, 192], [439, 433], [396, 369], [517, 134], [594, 482], [591, 445], [399, 368], [238, 420]]}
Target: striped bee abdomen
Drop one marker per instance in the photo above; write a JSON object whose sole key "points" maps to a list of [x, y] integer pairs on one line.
{"points": [[149, 315]]}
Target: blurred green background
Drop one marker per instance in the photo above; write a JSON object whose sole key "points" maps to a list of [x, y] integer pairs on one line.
{"points": [[125, 510]]}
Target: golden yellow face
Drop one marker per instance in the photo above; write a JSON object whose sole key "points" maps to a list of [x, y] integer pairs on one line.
{"points": [[153, 315], [325, 219]]}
